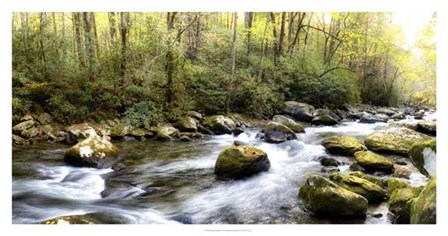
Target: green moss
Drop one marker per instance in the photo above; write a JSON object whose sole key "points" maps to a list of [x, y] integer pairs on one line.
{"points": [[373, 179], [400, 202], [326, 199], [365, 188], [239, 161], [416, 154], [343, 145], [396, 183], [76, 219], [397, 140], [423, 208], [274, 126], [373, 161], [291, 124], [219, 124]]}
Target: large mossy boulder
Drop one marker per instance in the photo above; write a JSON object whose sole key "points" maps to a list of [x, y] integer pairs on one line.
{"points": [[290, 123], [186, 124], [376, 180], [396, 183], [23, 126], [120, 130], [72, 220], [219, 124], [365, 188], [343, 145], [396, 140], [299, 111], [91, 151], [370, 119], [166, 133], [427, 127], [374, 162], [77, 132], [325, 117], [400, 203], [278, 133], [423, 208], [423, 156], [241, 161], [328, 200]]}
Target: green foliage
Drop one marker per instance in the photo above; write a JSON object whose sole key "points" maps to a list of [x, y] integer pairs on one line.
{"points": [[142, 114]]}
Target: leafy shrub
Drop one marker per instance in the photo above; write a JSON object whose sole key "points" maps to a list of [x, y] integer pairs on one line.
{"points": [[143, 114]]}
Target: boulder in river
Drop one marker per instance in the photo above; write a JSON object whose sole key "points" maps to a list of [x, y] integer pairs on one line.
{"points": [[423, 156], [166, 132], [427, 127], [365, 188], [328, 200], [423, 208], [400, 203], [396, 183], [23, 126], [241, 161], [91, 151], [219, 124], [278, 133], [374, 162], [77, 132], [370, 119], [290, 123], [343, 145], [376, 180], [186, 124], [386, 111], [120, 130], [194, 114], [396, 140], [325, 117], [299, 111]]}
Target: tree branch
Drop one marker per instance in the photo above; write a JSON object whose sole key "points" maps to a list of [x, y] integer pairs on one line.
{"points": [[335, 68]]}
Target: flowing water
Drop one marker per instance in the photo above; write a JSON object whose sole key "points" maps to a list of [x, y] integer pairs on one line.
{"points": [[173, 182]]}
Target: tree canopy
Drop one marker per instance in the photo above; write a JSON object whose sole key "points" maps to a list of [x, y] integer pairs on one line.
{"points": [[84, 65]]}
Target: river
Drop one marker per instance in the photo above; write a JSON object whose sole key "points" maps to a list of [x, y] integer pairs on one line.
{"points": [[173, 182]]}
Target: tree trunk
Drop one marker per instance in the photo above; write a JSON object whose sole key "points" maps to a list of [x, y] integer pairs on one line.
{"points": [[170, 63], [248, 16], [95, 35], [77, 26], [260, 74], [112, 25], [42, 41], [282, 34], [88, 39], [274, 34], [232, 75], [124, 27]]}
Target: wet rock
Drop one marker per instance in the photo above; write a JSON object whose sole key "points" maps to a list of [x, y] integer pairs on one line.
{"points": [[241, 161], [17, 140], [378, 181], [204, 130], [239, 143], [194, 114], [138, 132], [396, 140], [343, 145], [325, 117], [26, 117], [330, 170], [74, 219], [423, 208], [30, 133], [328, 161], [370, 119], [398, 116], [91, 151], [290, 123], [367, 189], [328, 200], [400, 203], [219, 124], [184, 138], [396, 183], [374, 162], [237, 131], [186, 124], [120, 130], [23, 126], [423, 156], [427, 127], [77, 132], [192, 135], [386, 111], [419, 115], [166, 132], [278, 133], [299, 111], [402, 172]]}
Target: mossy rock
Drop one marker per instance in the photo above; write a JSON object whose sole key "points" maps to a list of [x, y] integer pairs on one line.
{"points": [[378, 181], [423, 208], [219, 124], [278, 133], [166, 132], [194, 114], [186, 124], [241, 161], [365, 188], [72, 220], [374, 162], [423, 156], [120, 130], [343, 145], [90, 152], [400, 203], [396, 140], [326, 199], [427, 127], [138, 132], [290, 123], [19, 128], [396, 183], [299, 111], [325, 117]]}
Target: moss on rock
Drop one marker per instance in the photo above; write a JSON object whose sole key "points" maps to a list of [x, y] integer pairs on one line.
{"points": [[166, 132], [219, 124], [241, 161], [327, 199], [365, 188], [278, 133], [423, 208], [343, 145], [396, 183], [378, 181], [186, 124], [290, 123], [423, 156], [396, 140], [400, 203], [372, 161]]}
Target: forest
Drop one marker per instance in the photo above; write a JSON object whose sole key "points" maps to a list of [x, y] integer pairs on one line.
{"points": [[92, 66], [223, 118]]}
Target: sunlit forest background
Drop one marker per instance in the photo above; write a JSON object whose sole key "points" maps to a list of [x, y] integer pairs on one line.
{"points": [[91, 66]]}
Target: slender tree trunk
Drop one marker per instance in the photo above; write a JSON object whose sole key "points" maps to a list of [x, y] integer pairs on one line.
{"points": [[274, 35], [260, 74], [24, 29], [170, 63], [88, 40], [282, 34], [95, 34], [42, 33], [248, 16], [124, 27], [112, 25], [232, 75]]}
